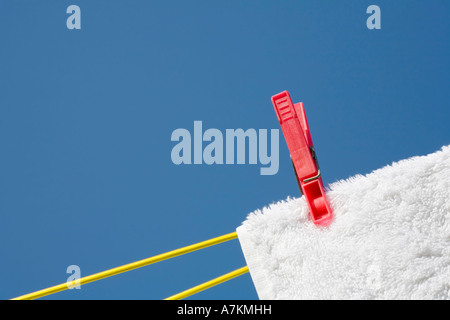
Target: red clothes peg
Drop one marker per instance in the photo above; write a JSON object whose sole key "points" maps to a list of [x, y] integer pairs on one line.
{"points": [[296, 132]]}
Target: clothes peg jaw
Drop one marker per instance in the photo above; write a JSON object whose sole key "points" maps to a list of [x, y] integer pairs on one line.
{"points": [[294, 124]]}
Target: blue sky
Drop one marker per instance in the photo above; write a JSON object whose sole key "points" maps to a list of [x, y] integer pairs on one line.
{"points": [[86, 118]]}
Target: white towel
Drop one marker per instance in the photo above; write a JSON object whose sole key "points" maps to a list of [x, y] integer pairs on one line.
{"points": [[390, 238]]}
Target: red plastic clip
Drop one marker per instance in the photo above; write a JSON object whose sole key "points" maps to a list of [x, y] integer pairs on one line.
{"points": [[295, 128]]}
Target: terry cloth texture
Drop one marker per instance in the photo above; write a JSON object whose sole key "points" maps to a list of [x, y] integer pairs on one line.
{"points": [[390, 238]]}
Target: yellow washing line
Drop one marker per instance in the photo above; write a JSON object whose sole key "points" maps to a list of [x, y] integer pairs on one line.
{"points": [[130, 266], [209, 284]]}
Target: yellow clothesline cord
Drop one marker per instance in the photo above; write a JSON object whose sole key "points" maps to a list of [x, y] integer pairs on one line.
{"points": [[209, 284], [130, 266]]}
